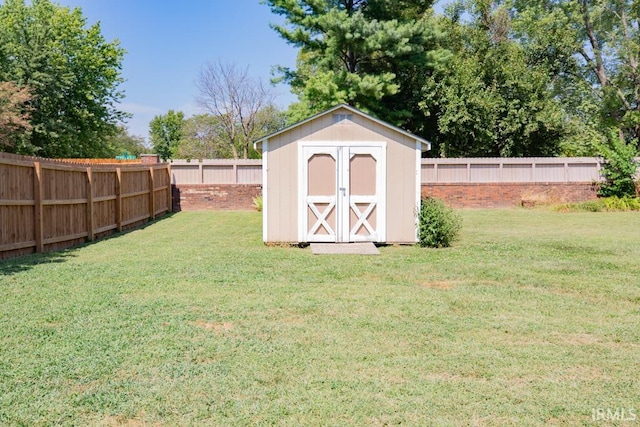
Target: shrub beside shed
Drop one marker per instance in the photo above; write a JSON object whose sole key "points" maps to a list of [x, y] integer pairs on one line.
{"points": [[341, 176]]}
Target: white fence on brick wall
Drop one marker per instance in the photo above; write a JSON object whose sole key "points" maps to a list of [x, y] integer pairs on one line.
{"points": [[216, 171], [441, 171], [498, 170]]}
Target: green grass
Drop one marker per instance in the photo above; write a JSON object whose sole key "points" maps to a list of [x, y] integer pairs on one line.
{"points": [[532, 317]]}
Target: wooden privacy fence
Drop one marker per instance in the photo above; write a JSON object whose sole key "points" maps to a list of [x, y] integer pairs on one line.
{"points": [[48, 205]]}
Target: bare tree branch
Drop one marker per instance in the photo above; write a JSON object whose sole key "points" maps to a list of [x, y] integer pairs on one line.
{"points": [[228, 92]]}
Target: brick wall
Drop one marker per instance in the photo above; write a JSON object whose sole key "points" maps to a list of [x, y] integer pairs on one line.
{"points": [[192, 197], [464, 195], [479, 195]]}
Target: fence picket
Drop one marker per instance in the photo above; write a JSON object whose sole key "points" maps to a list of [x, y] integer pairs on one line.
{"points": [[90, 222], [37, 193]]}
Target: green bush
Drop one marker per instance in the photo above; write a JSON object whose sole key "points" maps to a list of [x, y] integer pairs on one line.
{"points": [[625, 203], [588, 206], [439, 224], [619, 168], [608, 204]]}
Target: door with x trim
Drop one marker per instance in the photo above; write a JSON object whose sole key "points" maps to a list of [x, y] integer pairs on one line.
{"points": [[344, 193]]}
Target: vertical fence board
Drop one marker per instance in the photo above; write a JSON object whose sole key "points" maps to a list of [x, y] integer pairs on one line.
{"points": [[169, 192], [152, 194], [119, 199], [37, 217], [90, 222]]}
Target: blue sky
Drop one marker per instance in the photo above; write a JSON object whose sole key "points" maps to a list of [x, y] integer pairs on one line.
{"points": [[168, 42]]}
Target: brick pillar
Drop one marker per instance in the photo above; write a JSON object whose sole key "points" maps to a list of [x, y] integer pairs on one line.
{"points": [[150, 159]]}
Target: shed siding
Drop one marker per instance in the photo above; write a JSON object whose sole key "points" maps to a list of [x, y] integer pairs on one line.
{"points": [[282, 184], [401, 191], [282, 174]]}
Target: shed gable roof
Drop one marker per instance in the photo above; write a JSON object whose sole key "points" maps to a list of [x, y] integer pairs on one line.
{"points": [[426, 145]]}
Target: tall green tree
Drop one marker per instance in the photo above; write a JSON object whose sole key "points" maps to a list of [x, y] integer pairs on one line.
{"points": [[596, 47], [492, 99], [166, 132], [370, 54], [73, 74]]}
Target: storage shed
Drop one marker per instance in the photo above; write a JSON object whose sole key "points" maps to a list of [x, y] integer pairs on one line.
{"points": [[341, 176]]}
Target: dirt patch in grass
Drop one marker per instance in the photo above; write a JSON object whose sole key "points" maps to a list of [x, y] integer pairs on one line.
{"points": [[450, 284], [122, 421], [216, 327], [440, 284], [579, 339]]}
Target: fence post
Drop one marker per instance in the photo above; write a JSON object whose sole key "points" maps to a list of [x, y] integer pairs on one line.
{"points": [[90, 223], [37, 194], [118, 199], [533, 171], [169, 190], [152, 195]]}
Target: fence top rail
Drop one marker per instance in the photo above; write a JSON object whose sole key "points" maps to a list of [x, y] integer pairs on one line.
{"points": [[219, 162], [59, 164], [102, 161], [511, 160], [16, 162], [137, 168]]}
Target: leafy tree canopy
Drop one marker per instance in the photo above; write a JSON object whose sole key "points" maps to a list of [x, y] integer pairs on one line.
{"points": [[72, 73], [166, 132], [488, 78], [493, 99], [371, 54]]}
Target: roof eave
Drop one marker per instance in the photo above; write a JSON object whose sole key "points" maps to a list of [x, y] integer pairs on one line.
{"points": [[426, 145]]}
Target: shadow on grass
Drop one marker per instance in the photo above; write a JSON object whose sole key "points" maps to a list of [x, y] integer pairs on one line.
{"points": [[16, 265], [26, 262]]}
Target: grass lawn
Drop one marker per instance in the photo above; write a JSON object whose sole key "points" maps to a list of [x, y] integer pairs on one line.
{"points": [[533, 317]]}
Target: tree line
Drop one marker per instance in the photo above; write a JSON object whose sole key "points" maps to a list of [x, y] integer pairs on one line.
{"points": [[483, 78]]}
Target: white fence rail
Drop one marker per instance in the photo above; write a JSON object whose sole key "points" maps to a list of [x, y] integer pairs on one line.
{"points": [[434, 171]]}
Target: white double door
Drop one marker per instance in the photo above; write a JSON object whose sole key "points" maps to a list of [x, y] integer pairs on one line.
{"points": [[343, 193]]}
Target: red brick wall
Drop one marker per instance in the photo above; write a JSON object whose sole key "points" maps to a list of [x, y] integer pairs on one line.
{"points": [[469, 195], [478, 195], [195, 197]]}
